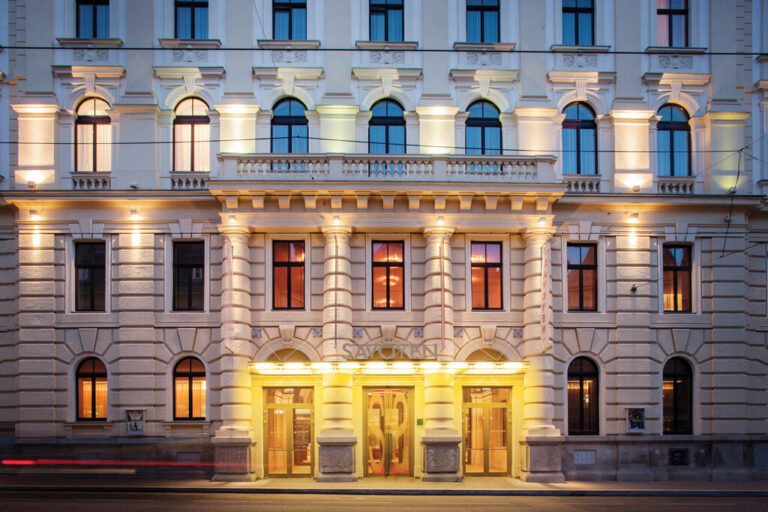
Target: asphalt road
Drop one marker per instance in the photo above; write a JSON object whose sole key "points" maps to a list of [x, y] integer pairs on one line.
{"points": [[188, 502]]}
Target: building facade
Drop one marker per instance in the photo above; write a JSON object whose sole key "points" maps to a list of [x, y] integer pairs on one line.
{"points": [[353, 239]]}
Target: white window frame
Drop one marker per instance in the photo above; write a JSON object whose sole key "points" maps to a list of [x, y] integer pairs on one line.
{"points": [[411, 18], [698, 24], [69, 298], [601, 279], [387, 237], [170, 394], [72, 397], [695, 276], [168, 273], [269, 292], [601, 390], [506, 271], [168, 16]]}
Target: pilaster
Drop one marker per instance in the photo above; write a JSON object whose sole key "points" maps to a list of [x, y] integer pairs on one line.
{"points": [[438, 291], [337, 295]]}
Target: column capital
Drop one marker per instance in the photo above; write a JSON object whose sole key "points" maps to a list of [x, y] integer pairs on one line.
{"points": [[332, 229], [234, 232], [438, 230], [538, 235]]}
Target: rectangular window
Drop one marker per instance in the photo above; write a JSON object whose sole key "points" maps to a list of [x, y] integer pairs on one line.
{"points": [[289, 20], [483, 21], [388, 275], [486, 275], [582, 277], [578, 22], [677, 278], [386, 20], [288, 275], [672, 23], [90, 276], [188, 273], [92, 19], [191, 19]]}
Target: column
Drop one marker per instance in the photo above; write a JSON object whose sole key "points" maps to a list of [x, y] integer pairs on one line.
{"points": [[541, 439], [438, 291], [233, 441], [336, 440]]}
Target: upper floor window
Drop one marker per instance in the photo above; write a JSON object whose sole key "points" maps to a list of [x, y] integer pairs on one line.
{"points": [[673, 142], [582, 277], [388, 275], [188, 276], [677, 390], [191, 136], [189, 390], [93, 136], [578, 22], [583, 400], [386, 129], [90, 276], [92, 19], [386, 20], [579, 140], [483, 21], [483, 129], [289, 20], [486, 275], [91, 390], [288, 275], [191, 19], [677, 278], [289, 127], [672, 23]]}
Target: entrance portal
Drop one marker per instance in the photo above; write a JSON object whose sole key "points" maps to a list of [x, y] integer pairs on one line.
{"points": [[388, 437], [288, 418], [486, 431]]}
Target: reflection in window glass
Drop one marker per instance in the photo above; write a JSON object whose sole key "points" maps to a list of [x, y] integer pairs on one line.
{"points": [[483, 21], [289, 20], [483, 129], [486, 275], [289, 127], [388, 275], [582, 277], [288, 275], [677, 388], [578, 21], [191, 19], [673, 142], [677, 278], [579, 140], [386, 129], [386, 20], [92, 19], [583, 400]]}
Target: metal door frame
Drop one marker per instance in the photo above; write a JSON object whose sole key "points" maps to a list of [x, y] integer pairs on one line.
{"points": [[289, 426], [410, 423], [465, 406]]}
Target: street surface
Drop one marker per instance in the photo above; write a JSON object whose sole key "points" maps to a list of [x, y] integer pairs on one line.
{"points": [[190, 502]]}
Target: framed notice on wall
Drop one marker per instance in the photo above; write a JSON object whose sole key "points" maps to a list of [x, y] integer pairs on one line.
{"points": [[636, 420]]}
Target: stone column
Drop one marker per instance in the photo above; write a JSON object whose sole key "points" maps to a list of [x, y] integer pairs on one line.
{"points": [[233, 441], [438, 312], [541, 439], [336, 439], [441, 436]]}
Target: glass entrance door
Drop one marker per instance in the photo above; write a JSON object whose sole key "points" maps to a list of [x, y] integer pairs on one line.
{"points": [[288, 421], [388, 438], [486, 431]]}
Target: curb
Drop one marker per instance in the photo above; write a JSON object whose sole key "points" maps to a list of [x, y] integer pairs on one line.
{"points": [[398, 492]]}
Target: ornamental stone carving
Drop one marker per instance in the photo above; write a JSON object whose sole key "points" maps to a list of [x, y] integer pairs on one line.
{"points": [[579, 60], [289, 56], [675, 61], [90, 54], [189, 55], [337, 459], [441, 458], [484, 58], [387, 57]]}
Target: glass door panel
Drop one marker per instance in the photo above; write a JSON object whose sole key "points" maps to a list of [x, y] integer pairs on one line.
{"points": [[474, 440], [486, 431], [277, 442], [388, 437], [302, 441], [289, 419], [497, 440]]}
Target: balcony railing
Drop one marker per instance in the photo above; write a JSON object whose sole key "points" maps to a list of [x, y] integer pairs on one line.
{"points": [[580, 183], [349, 167], [91, 181], [676, 185]]}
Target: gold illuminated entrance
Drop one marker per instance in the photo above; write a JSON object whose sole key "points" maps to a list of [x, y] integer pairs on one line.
{"points": [[288, 418], [388, 437], [486, 419]]}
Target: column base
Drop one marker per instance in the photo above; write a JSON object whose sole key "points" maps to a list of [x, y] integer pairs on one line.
{"points": [[233, 459], [441, 459], [543, 460], [337, 458]]}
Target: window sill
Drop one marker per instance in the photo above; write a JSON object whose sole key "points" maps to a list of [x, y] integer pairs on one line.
{"points": [[288, 44], [73, 42], [567, 48], [186, 428], [86, 319], [484, 47], [387, 45], [190, 43], [88, 428], [584, 319], [673, 49], [175, 319], [679, 320]]}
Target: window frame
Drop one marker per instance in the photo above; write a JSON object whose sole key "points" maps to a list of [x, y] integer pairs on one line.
{"points": [[387, 9], [670, 12], [485, 266], [93, 121], [290, 122], [670, 128], [691, 395], [191, 121], [576, 10], [192, 5], [581, 267], [190, 377], [288, 6], [93, 4], [172, 269], [482, 9], [93, 376], [578, 125], [71, 289], [289, 266], [581, 376], [388, 265], [483, 123], [388, 122], [676, 269], [76, 277]]}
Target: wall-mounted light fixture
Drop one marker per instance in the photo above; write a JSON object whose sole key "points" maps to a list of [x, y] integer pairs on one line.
{"points": [[134, 215], [34, 215]]}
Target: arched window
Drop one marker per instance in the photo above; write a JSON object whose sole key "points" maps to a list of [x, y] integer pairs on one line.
{"points": [[191, 136], [677, 389], [93, 136], [289, 127], [673, 142], [483, 129], [91, 379], [583, 397], [579, 140], [189, 390], [386, 129]]}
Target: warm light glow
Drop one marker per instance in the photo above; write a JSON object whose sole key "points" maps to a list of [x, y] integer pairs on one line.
{"points": [[633, 218], [37, 239], [135, 237], [634, 181], [632, 238], [349, 365], [34, 215], [232, 219], [440, 220], [321, 367], [134, 215], [336, 220], [390, 368], [542, 221]]}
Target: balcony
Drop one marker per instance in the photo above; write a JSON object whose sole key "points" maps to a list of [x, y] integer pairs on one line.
{"points": [[387, 168]]}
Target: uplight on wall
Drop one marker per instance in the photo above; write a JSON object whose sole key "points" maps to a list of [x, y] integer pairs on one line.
{"points": [[633, 218], [134, 215], [390, 367], [35, 215]]}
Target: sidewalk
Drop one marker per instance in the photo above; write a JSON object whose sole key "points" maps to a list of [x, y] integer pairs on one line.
{"points": [[489, 486]]}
